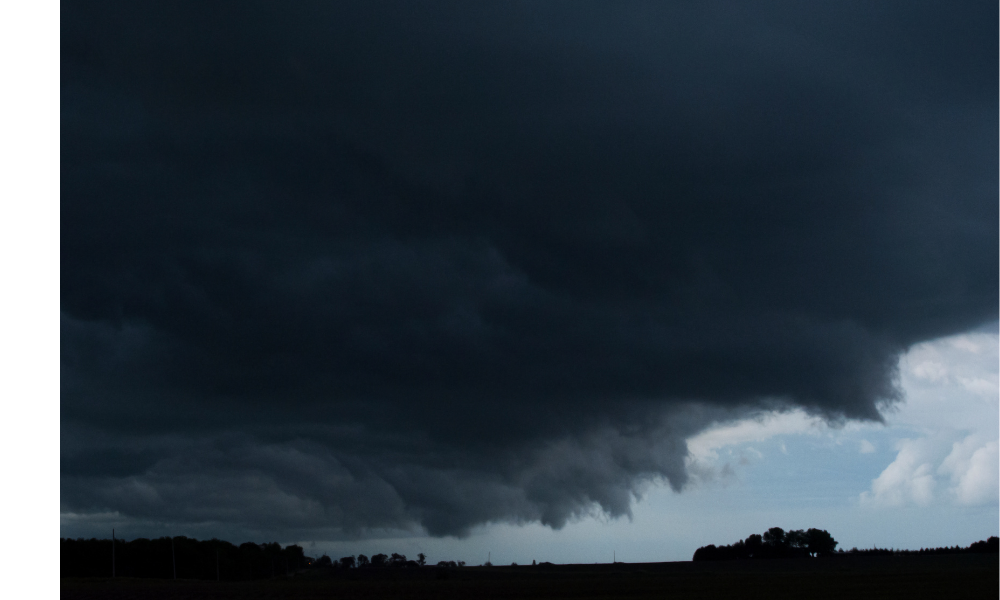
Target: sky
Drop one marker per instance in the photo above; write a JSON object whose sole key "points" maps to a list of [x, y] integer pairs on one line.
{"points": [[530, 280]]}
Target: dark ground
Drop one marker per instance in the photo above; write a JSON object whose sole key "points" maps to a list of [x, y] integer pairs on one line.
{"points": [[904, 577]]}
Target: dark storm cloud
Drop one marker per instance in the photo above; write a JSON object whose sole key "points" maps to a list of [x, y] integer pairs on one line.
{"points": [[344, 266]]}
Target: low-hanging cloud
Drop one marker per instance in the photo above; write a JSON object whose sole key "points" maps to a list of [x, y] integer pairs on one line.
{"points": [[366, 266]]}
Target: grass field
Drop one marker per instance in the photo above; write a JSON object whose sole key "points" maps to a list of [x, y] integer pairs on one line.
{"points": [[883, 577]]}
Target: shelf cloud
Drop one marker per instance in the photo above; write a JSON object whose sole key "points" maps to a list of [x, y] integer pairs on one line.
{"points": [[349, 267]]}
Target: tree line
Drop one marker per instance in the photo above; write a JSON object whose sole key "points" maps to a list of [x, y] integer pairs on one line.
{"points": [[187, 558], [777, 543], [773, 543], [180, 557], [990, 545], [379, 561]]}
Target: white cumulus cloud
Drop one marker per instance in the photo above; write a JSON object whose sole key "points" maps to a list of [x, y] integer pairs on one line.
{"points": [[952, 399], [973, 467], [908, 479]]}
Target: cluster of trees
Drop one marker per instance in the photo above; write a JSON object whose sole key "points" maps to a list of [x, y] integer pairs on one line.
{"points": [[987, 546], [774, 543], [777, 543], [451, 563], [378, 561], [180, 557]]}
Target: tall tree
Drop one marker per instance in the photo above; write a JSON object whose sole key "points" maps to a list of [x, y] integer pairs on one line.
{"points": [[819, 542], [774, 537]]}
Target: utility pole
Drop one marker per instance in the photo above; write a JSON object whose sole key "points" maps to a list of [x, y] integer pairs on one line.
{"points": [[112, 552]]}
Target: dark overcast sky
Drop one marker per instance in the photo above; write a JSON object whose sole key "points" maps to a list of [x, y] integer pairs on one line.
{"points": [[335, 266]]}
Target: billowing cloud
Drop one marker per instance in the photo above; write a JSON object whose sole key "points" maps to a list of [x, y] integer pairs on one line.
{"points": [[953, 401], [910, 478], [351, 267], [973, 466], [924, 471]]}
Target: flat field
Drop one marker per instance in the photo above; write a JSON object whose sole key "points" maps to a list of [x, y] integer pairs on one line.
{"points": [[882, 577]]}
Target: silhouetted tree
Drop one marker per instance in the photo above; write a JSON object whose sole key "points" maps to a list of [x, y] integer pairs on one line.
{"points": [[775, 543], [271, 549], [819, 542], [991, 544], [362, 561], [796, 539], [295, 557], [324, 561], [347, 562], [397, 560], [379, 560], [421, 559], [753, 545], [774, 537], [709, 552]]}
